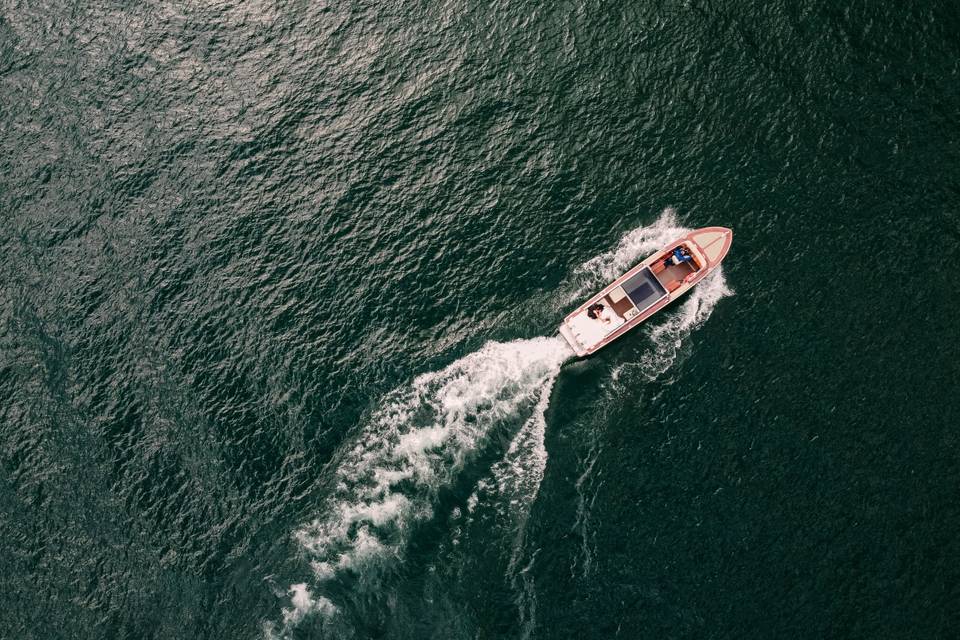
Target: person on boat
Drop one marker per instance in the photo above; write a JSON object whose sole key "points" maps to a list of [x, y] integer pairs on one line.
{"points": [[600, 312], [680, 254], [607, 316]]}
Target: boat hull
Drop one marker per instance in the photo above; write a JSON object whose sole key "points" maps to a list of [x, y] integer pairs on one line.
{"points": [[709, 247]]}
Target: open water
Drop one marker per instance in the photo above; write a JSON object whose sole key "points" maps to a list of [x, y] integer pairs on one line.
{"points": [[280, 280]]}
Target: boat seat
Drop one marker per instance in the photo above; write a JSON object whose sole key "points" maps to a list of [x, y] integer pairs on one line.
{"points": [[673, 285], [616, 295]]}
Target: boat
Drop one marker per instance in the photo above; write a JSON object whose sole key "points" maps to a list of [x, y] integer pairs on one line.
{"points": [[645, 289]]}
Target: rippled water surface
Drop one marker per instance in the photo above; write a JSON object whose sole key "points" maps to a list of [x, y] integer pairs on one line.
{"points": [[279, 287]]}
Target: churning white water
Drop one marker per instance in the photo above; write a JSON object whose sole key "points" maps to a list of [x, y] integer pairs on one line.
{"points": [[388, 479]]}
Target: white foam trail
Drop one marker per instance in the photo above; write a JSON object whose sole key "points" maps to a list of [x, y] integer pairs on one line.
{"points": [[515, 483], [303, 604], [519, 474], [389, 478]]}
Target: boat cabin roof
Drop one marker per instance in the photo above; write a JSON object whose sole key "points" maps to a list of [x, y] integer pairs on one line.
{"points": [[643, 289]]}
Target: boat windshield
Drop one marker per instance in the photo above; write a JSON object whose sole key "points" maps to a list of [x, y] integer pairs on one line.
{"points": [[644, 289]]}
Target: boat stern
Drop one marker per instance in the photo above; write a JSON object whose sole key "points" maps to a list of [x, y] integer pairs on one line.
{"points": [[571, 339]]}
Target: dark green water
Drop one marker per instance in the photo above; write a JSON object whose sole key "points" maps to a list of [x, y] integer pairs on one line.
{"points": [[277, 289]]}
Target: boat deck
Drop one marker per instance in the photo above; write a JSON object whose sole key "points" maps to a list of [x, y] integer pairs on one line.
{"points": [[671, 277], [621, 306]]}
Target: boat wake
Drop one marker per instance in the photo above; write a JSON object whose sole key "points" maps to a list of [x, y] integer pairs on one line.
{"points": [[389, 478]]}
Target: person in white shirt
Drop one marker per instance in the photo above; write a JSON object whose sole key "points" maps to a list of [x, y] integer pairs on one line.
{"points": [[601, 312], [608, 316]]}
